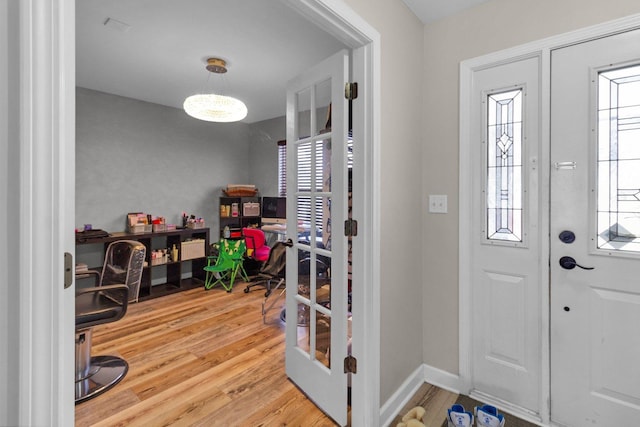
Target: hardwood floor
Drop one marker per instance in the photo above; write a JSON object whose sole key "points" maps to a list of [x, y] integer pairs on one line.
{"points": [[201, 358], [434, 400], [205, 358]]}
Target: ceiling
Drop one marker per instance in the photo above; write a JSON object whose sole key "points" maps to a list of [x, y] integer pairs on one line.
{"points": [[433, 10], [157, 49], [161, 57]]}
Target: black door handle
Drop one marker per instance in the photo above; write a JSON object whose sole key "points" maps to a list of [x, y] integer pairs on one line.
{"points": [[569, 263]]}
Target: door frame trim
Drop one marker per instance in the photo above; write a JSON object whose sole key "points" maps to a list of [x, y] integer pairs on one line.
{"points": [[541, 48], [338, 19], [46, 187], [47, 109]]}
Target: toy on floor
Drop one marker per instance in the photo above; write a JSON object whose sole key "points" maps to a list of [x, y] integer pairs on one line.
{"points": [[458, 417], [413, 418]]}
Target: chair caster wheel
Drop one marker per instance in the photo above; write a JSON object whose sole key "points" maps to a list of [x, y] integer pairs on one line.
{"points": [[266, 294], [246, 290]]}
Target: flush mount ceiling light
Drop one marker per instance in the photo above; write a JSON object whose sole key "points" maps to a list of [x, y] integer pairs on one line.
{"points": [[215, 108]]}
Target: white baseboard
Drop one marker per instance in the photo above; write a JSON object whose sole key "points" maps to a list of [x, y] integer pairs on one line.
{"points": [[396, 402], [443, 379], [447, 381], [422, 374]]}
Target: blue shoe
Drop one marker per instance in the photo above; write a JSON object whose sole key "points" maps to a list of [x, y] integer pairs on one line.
{"points": [[458, 417], [488, 416]]}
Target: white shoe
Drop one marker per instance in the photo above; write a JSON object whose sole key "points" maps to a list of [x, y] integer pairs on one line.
{"points": [[488, 416], [458, 417]]}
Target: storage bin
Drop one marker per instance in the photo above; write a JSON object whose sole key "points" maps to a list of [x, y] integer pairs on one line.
{"points": [[140, 228], [251, 209], [192, 249], [159, 228]]}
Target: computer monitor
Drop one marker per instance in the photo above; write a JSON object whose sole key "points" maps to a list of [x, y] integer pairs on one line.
{"points": [[274, 210]]}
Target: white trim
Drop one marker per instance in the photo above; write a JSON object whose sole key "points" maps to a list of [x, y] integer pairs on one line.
{"points": [[543, 201], [338, 19], [366, 208], [47, 50], [554, 42], [446, 381], [465, 221], [6, 381], [46, 188], [443, 379], [542, 48], [402, 395], [49, 92], [422, 374]]}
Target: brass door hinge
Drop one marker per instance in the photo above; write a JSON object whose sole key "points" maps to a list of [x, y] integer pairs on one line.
{"points": [[351, 91], [350, 365]]}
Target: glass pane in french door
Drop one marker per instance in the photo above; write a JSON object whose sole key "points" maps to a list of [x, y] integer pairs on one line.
{"points": [[313, 209]]}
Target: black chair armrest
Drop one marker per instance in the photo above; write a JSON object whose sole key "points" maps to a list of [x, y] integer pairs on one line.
{"points": [[89, 273], [103, 304]]}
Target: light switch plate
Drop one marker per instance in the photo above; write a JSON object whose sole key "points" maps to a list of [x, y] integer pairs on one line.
{"points": [[437, 203]]}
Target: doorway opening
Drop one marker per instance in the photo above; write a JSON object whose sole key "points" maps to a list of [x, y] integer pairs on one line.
{"points": [[364, 50]]}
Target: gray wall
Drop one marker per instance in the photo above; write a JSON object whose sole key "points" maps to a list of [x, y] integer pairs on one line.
{"points": [[134, 156], [263, 154], [400, 169]]}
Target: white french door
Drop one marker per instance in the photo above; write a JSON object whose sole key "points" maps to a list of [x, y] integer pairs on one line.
{"points": [[316, 276], [595, 232]]}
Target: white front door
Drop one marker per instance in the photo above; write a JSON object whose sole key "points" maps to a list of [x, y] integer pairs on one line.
{"points": [[505, 278], [316, 307], [595, 232]]}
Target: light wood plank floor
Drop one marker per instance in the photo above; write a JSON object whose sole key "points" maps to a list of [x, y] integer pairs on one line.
{"points": [[205, 358], [199, 358], [434, 400]]}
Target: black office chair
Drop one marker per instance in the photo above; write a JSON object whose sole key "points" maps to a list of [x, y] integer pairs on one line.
{"points": [[272, 269], [105, 304]]}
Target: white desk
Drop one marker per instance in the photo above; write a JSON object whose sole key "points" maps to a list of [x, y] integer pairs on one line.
{"points": [[277, 233]]}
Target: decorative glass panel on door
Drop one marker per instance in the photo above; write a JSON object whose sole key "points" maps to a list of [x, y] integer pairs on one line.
{"points": [[618, 184], [503, 192]]}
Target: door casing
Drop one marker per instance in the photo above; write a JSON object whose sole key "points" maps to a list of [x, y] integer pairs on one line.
{"points": [[541, 48], [46, 42]]}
